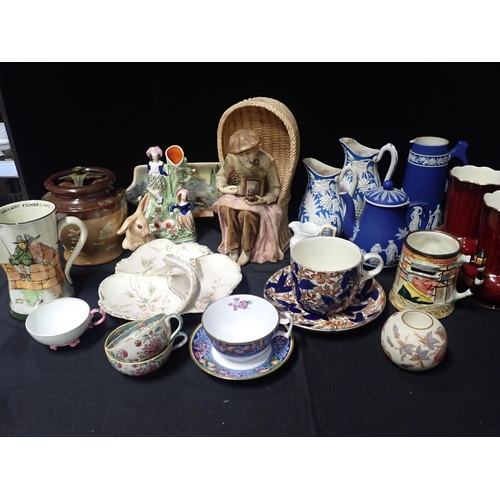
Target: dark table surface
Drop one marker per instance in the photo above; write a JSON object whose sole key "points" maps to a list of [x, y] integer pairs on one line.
{"points": [[334, 383]]}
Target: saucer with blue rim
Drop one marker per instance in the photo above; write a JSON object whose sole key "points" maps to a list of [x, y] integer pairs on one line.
{"points": [[368, 303], [218, 365]]}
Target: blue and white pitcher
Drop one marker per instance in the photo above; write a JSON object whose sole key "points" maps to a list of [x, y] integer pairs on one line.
{"points": [[323, 202], [364, 161]]}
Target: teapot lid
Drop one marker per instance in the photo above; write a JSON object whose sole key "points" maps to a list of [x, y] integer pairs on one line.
{"points": [[387, 196]]}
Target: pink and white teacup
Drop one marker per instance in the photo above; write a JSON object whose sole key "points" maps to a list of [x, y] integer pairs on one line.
{"points": [[62, 321]]}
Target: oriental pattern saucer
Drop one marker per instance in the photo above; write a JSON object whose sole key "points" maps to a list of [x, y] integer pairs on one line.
{"points": [[367, 305], [210, 361]]}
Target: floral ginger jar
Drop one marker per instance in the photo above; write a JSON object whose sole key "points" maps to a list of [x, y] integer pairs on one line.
{"points": [[414, 340]]}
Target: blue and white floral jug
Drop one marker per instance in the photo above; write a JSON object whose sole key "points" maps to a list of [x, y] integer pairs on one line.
{"points": [[364, 161], [323, 202]]}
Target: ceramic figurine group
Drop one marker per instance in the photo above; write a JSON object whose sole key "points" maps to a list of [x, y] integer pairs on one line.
{"points": [[351, 225], [164, 204]]}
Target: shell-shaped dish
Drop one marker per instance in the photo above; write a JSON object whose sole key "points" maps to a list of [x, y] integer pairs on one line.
{"points": [[218, 274], [134, 296]]}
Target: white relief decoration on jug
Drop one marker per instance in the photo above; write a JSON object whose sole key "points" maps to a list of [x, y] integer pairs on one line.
{"points": [[435, 218], [415, 220], [428, 161]]}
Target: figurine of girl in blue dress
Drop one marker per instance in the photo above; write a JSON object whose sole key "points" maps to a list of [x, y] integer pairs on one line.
{"points": [[184, 208]]}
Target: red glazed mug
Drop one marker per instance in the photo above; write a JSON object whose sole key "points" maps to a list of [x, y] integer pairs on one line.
{"points": [[488, 293], [464, 202]]}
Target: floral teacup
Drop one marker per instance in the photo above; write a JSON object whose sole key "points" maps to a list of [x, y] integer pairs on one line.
{"points": [[142, 339], [243, 326]]}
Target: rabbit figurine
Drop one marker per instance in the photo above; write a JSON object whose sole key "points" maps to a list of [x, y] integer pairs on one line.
{"points": [[136, 227]]}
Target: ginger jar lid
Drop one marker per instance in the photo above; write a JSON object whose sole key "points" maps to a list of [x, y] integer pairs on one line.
{"points": [[84, 189], [387, 196]]}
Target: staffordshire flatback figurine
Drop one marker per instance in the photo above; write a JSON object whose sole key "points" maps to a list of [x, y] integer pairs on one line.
{"points": [[169, 213], [157, 177], [248, 213]]}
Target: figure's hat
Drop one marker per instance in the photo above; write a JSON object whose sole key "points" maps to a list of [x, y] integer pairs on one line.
{"points": [[243, 140]]}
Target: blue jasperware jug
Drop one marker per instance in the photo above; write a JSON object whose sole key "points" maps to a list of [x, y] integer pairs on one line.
{"points": [[426, 175]]}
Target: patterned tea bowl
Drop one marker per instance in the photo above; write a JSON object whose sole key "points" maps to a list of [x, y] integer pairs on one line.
{"points": [[142, 339], [243, 326], [146, 366]]}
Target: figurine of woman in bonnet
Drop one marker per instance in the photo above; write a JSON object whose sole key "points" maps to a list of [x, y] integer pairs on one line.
{"points": [[157, 177]]}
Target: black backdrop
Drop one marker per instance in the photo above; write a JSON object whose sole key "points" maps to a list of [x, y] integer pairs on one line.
{"points": [[60, 115]]}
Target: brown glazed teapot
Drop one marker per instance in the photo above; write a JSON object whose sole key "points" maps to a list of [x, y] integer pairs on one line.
{"points": [[89, 193]]}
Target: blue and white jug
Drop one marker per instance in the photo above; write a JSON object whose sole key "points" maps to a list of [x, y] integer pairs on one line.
{"points": [[364, 161], [323, 202]]}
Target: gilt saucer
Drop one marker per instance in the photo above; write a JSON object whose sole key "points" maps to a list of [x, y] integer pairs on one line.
{"points": [[202, 353], [367, 305]]}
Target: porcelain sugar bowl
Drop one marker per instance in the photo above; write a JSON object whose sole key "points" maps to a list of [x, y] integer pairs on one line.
{"points": [[414, 340]]}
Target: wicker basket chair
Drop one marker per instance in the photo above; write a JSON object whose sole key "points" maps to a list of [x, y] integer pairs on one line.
{"points": [[279, 137]]}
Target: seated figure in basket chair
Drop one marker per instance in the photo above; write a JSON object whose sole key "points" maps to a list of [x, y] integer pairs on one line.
{"points": [[248, 213]]}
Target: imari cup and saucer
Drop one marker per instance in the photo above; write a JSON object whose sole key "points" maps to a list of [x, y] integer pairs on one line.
{"points": [[367, 305]]}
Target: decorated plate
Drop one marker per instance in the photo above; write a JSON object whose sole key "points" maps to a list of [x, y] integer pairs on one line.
{"points": [[368, 303]]}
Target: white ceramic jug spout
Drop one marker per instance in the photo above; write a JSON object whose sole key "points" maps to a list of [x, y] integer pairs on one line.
{"points": [[302, 230]]}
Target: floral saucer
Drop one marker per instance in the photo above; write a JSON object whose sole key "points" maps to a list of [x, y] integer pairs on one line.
{"points": [[367, 305], [202, 354]]}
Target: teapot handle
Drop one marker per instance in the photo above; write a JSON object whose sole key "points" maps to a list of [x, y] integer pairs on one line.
{"points": [[394, 159]]}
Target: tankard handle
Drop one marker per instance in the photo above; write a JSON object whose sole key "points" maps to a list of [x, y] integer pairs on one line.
{"points": [[82, 238]]}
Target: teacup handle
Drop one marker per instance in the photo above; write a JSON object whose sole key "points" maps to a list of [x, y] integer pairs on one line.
{"points": [[372, 272], [96, 322], [287, 320], [175, 336], [179, 326]]}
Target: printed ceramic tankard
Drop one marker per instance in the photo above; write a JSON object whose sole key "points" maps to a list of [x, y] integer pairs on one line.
{"points": [[29, 254], [427, 273]]}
